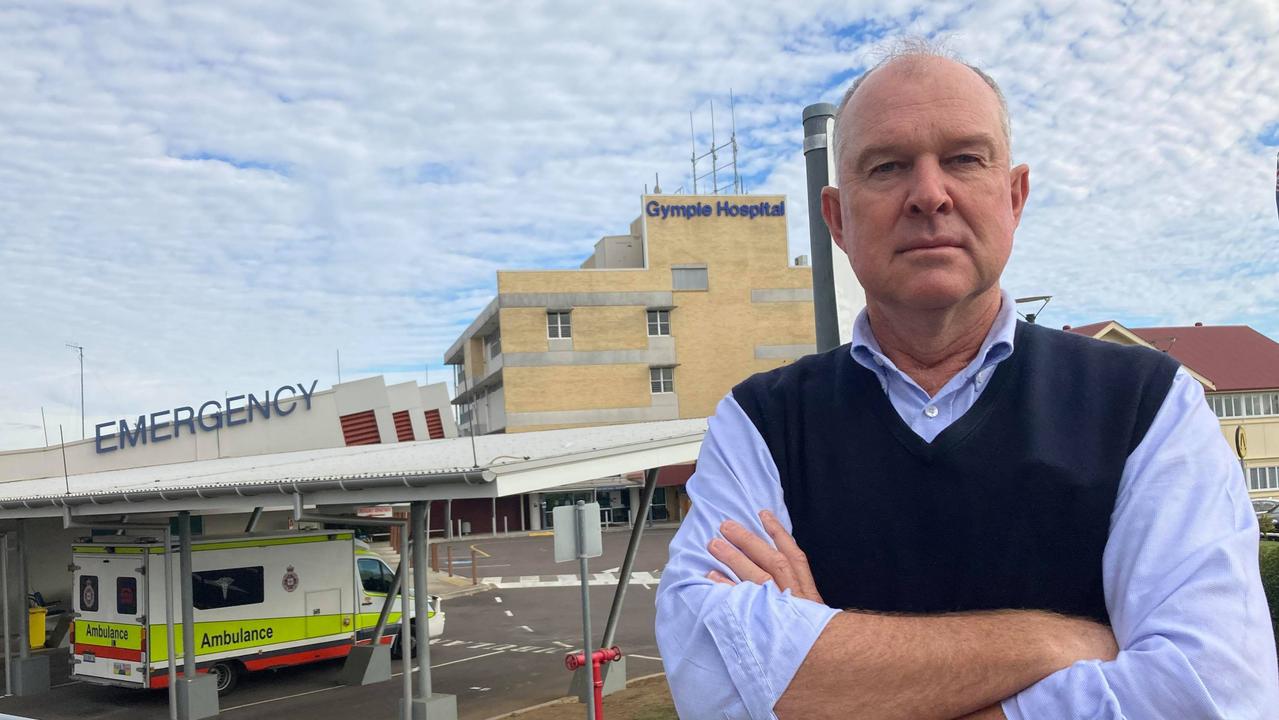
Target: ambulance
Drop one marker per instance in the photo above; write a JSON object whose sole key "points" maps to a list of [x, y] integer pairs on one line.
{"points": [[260, 602]]}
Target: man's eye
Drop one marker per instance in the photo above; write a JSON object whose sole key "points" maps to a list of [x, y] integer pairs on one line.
{"points": [[884, 168], [965, 159]]}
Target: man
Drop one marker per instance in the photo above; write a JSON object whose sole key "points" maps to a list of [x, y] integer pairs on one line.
{"points": [[960, 515]]}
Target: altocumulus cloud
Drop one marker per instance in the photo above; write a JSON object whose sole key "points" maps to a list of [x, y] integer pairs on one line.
{"points": [[213, 197]]}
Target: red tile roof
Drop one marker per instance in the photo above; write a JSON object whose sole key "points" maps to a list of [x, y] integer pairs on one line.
{"points": [[1233, 357], [1089, 330]]}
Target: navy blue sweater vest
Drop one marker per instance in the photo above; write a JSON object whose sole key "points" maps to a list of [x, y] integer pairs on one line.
{"points": [[1009, 507]]}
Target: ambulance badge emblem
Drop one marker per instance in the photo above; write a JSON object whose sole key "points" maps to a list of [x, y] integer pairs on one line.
{"points": [[291, 580]]}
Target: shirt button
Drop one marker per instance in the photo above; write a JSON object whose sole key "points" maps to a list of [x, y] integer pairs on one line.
{"points": [[983, 375], [931, 411], [879, 361]]}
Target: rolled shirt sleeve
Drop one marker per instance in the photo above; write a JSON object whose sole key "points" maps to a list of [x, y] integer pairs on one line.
{"points": [[730, 652], [1182, 587]]}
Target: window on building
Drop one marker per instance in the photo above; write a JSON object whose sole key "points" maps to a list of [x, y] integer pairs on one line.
{"points": [[558, 324], [659, 322], [657, 511], [493, 345], [661, 379], [689, 278], [1263, 478], [232, 587], [1233, 405]]}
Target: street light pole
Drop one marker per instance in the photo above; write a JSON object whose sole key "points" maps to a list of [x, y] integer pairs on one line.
{"points": [[80, 350]]}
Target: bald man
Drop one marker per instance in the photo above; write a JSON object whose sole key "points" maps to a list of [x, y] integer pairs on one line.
{"points": [[958, 515]]}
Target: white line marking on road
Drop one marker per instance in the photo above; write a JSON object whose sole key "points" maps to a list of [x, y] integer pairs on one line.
{"points": [[646, 657], [509, 613], [497, 598], [454, 662], [645, 586], [526, 627], [286, 697], [451, 662], [612, 570], [557, 642]]}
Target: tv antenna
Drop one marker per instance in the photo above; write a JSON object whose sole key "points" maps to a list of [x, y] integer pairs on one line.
{"points": [[1030, 316]]}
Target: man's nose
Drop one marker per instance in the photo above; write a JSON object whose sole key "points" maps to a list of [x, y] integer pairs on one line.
{"points": [[928, 194]]}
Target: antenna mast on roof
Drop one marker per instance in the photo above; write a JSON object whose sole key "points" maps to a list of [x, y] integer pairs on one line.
{"points": [[1030, 316], [715, 188]]}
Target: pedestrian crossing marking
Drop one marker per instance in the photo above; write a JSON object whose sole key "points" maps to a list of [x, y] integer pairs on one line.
{"points": [[547, 581]]}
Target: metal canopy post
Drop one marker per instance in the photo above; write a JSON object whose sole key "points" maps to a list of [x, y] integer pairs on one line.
{"points": [[421, 603], [172, 670], [30, 673], [24, 634], [69, 522], [197, 695], [632, 549], [188, 593], [442, 707], [8, 639], [391, 592], [253, 520]]}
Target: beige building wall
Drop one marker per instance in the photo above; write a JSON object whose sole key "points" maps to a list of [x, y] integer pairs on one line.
{"points": [[755, 315]]}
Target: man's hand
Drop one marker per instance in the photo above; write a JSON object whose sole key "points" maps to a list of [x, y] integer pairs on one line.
{"points": [[753, 559], [939, 660]]}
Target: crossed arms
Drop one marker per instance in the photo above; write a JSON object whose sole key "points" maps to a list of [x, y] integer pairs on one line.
{"points": [[1191, 636]]}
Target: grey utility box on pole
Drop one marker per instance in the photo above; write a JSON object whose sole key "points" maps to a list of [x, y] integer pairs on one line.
{"points": [[578, 537]]}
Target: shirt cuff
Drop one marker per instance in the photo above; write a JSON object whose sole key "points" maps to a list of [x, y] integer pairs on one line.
{"points": [[1079, 691], [764, 635]]}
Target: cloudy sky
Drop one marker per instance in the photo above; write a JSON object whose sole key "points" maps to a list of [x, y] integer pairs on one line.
{"points": [[213, 197]]}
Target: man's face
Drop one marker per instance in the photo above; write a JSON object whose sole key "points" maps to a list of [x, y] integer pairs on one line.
{"points": [[926, 205]]}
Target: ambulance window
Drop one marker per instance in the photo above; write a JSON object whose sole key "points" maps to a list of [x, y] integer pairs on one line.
{"points": [[373, 576], [126, 596], [89, 593], [231, 587]]}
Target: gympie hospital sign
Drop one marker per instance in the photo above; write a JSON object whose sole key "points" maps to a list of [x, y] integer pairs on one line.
{"points": [[722, 208], [165, 425]]}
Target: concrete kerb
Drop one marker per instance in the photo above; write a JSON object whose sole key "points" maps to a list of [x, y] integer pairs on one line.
{"points": [[563, 700]]}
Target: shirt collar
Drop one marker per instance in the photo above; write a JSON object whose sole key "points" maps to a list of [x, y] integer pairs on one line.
{"points": [[997, 346]]}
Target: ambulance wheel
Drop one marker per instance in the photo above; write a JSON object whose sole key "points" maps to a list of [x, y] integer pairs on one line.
{"points": [[395, 645], [227, 673]]}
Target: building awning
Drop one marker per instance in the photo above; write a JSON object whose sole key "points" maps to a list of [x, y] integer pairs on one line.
{"points": [[481, 467]]}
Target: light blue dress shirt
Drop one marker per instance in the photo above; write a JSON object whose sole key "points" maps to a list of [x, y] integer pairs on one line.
{"points": [[1180, 570]]}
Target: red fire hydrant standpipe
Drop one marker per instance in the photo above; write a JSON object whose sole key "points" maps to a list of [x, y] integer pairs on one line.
{"points": [[573, 661]]}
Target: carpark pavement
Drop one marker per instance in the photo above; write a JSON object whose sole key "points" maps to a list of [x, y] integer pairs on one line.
{"points": [[503, 647]]}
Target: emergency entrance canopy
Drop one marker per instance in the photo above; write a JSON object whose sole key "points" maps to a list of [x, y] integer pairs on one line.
{"points": [[464, 467]]}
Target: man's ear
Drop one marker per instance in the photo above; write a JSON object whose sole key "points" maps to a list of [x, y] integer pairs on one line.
{"points": [[1019, 189], [833, 216]]}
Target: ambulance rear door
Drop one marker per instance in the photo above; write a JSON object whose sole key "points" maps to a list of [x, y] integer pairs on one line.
{"points": [[110, 598]]}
